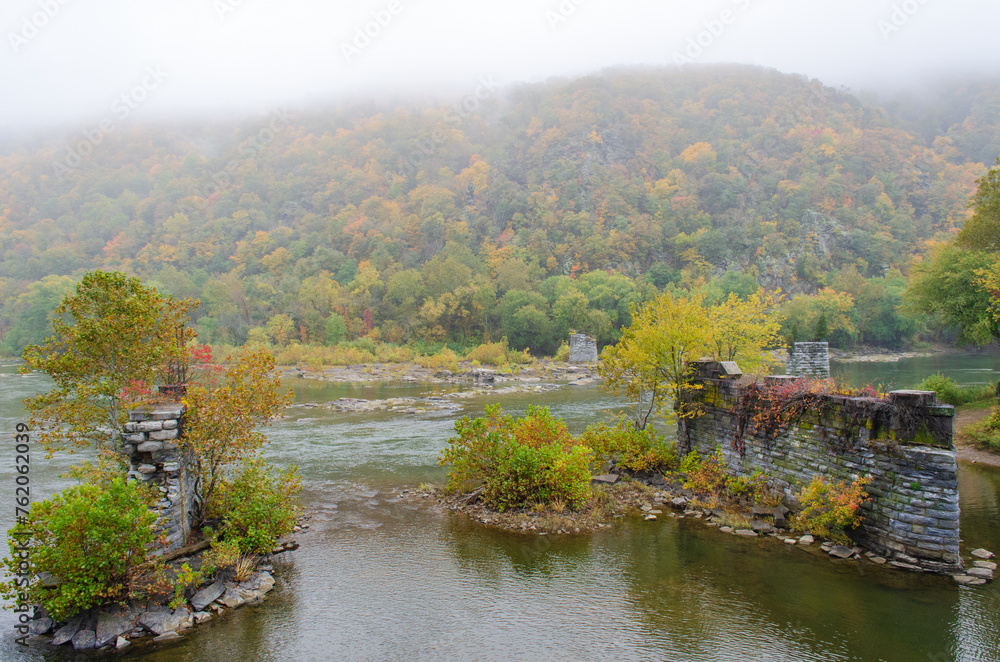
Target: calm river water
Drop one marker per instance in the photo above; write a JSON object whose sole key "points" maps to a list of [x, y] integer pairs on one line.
{"points": [[380, 579]]}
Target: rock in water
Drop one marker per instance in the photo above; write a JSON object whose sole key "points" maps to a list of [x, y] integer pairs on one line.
{"points": [[109, 626], [841, 552], [40, 625], [66, 632], [982, 573], [159, 620], [166, 636], [207, 596], [84, 640], [967, 580], [231, 598]]}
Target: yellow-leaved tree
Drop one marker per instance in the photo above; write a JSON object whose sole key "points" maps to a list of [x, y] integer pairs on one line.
{"points": [[744, 329], [225, 416], [650, 366]]}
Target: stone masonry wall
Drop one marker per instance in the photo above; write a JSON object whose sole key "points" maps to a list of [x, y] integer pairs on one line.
{"points": [[913, 516], [809, 359], [152, 443], [582, 349]]}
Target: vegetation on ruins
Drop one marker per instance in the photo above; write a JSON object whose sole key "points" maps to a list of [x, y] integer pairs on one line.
{"points": [[830, 507], [115, 341], [88, 546], [226, 411]]}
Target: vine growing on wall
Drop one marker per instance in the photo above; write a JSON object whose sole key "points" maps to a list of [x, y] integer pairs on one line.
{"points": [[767, 410]]}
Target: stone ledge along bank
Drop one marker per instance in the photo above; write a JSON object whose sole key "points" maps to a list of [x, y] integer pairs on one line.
{"points": [[913, 516]]}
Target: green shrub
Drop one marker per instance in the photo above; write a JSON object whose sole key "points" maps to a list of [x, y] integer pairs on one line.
{"points": [[985, 432], [531, 460], [258, 507], [631, 449], [951, 393], [490, 353], [92, 540], [546, 474], [562, 354], [707, 475], [186, 581]]}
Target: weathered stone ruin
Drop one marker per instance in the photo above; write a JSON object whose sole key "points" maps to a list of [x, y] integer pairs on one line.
{"points": [[809, 359], [582, 349], [913, 516], [152, 443]]}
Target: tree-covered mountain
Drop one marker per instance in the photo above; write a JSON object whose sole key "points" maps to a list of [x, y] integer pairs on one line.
{"points": [[522, 212]]}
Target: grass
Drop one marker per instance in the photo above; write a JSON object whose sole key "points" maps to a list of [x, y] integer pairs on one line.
{"points": [[985, 433], [735, 520]]}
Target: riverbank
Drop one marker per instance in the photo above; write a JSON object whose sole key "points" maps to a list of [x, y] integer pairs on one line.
{"points": [[463, 372], [170, 610], [967, 449], [653, 498], [880, 355]]}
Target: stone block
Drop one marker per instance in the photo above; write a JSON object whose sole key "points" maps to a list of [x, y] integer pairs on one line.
{"points": [[158, 413], [149, 447], [163, 435], [582, 349], [149, 426]]}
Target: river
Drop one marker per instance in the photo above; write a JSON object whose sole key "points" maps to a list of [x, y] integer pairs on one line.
{"points": [[377, 578]]}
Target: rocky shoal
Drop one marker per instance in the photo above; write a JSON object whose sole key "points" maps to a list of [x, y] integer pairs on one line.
{"points": [[540, 371]]}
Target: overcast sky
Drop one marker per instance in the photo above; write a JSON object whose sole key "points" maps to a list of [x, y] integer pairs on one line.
{"points": [[70, 62]]}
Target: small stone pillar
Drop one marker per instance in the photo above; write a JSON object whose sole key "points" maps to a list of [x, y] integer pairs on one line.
{"points": [[151, 441], [582, 349], [809, 359]]}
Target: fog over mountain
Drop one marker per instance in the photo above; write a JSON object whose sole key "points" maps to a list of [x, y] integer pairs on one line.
{"points": [[66, 63]]}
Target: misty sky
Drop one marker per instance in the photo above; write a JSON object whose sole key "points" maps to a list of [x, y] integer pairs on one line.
{"points": [[201, 58]]}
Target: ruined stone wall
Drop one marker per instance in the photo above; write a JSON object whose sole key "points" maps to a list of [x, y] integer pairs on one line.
{"points": [[582, 349], [913, 517], [152, 443], [809, 359]]}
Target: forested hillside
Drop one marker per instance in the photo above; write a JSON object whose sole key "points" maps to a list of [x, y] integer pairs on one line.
{"points": [[519, 213]]}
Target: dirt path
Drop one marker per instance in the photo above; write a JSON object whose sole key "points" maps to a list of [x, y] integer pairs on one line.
{"points": [[966, 449]]}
